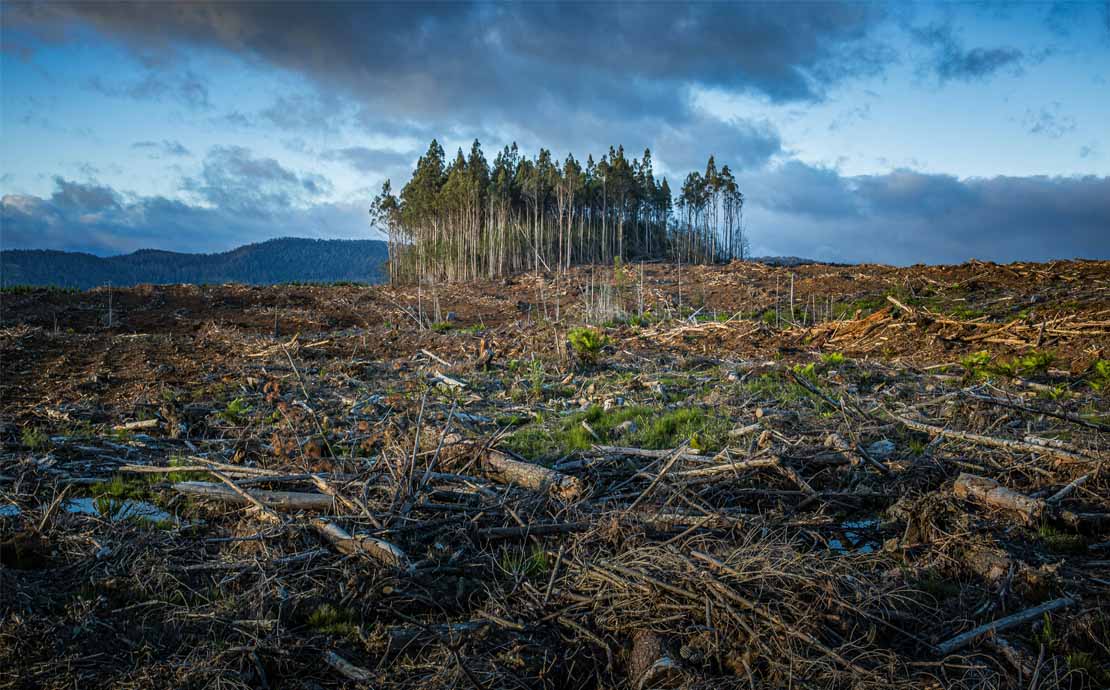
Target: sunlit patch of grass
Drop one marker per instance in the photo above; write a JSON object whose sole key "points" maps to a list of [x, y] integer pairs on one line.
{"points": [[1059, 541], [655, 428], [327, 619]]}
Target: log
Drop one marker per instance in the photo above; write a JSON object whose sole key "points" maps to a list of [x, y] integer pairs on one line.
{"points": [[279, 500], [649, 666], [989, 492], [726, 467], [346, 669], [362, 545], [502, 467], [1031, 444], [1005, 623]]}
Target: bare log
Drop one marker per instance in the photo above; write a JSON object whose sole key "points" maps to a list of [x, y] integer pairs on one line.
{"points": [[649, 665], [346, 669], [989, 492], [378, 549], [279, 500], [726, 467], [1029, 445], [963, 640], [501, 467]]}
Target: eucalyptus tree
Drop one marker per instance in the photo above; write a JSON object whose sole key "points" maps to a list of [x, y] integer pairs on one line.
{"points": [[468, 218]]}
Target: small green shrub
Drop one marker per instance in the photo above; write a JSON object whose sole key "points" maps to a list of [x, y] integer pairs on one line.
{"points": [[34, 438], [1098, 375], [330, 620], [442, 326], [833, 359], [235, 411], [587, 344]]}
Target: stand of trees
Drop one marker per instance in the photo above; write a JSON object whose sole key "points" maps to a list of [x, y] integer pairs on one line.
{"points": [[467, 219]]}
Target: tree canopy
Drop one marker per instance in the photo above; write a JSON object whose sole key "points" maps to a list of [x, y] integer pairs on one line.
{"points": [[466, 218]]}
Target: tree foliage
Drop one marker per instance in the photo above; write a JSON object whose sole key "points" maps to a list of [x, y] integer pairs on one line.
{"points": [[467, 218]]}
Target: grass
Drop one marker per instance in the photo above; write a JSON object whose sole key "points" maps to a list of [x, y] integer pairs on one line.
{"points": [[235, 411], [514, 560], [327, 619], [1059, 541], [655, 429], [1098, 375], [34, 438], [980, 365]]}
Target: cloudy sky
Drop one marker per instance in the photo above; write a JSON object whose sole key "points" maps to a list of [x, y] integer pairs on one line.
{"points": [[860, 132]]}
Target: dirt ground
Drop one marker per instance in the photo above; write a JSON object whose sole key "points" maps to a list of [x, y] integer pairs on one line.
{"points": [[742, 476]]}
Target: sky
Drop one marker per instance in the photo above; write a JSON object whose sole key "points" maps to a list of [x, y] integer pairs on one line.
{"points": [[895, 133]]}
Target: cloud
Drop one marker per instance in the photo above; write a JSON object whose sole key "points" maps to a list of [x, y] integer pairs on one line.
{"points": [[549, 72], [158, 149], [370, 160], [232, 178], [952, 62], [906, 217], [98, 219], [186, 88], [1048, 121]]}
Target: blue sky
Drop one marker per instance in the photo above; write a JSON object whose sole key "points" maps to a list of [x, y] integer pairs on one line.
{"points": [[893, 133]]}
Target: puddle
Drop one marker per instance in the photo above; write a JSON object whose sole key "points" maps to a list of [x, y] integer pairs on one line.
{"points": [[856, 537], [121, 510]]}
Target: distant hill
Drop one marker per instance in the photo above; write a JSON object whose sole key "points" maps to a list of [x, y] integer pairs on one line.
{"points": [[283, 260]]}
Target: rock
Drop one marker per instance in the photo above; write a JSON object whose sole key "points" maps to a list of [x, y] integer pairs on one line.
{"points": [[452, 316], [625, 427]]}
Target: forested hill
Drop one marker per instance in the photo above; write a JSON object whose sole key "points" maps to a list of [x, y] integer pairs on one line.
{"points": [[275, 261]]}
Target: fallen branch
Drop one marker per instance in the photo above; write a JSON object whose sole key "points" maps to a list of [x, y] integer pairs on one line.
{"points": [[962, 640], [991, 441], [279, 500]]}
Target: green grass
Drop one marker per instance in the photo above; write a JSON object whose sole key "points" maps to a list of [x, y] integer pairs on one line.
{"points": [[34, 438], [1059, 541], [330, 620], [980, 365], [514, 560], [442, 326], [656, 429], [1098, 375], [235, 411]]}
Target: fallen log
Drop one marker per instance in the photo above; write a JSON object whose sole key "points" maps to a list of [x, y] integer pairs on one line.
{"points": [[502, 467], [378, 549], [989, 492], [279, 500], [353, 673], [650, 666], [1029, 445]]}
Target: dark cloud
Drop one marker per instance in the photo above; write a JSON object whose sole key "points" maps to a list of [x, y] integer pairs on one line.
{"points": [[509, 67], [907, 217], [951, 61], [158, 149], [369, 160]]}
